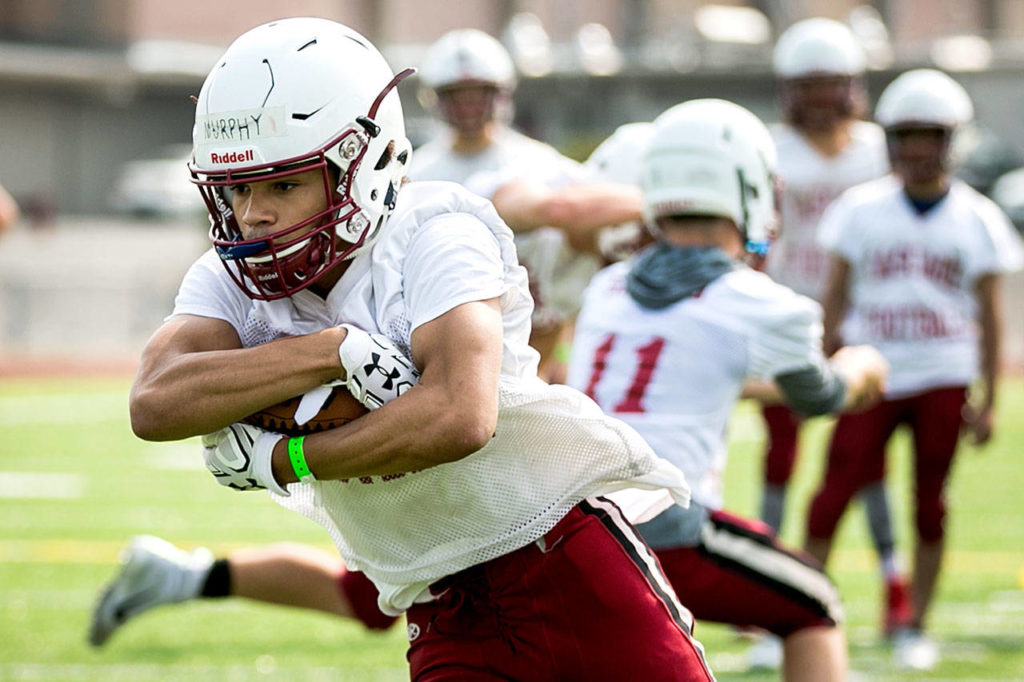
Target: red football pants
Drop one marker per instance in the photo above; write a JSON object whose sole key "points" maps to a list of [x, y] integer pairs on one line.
{"points": [[856, 457], [587, 603]]}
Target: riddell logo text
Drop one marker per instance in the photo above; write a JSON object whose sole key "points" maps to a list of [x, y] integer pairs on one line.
{"points": [[232, 157]]}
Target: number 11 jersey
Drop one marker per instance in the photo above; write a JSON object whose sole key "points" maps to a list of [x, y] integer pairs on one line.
{"points": [[674, 374]]}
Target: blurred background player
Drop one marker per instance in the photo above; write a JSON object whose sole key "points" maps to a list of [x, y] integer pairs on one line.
{"points": [[666, 341], [468, 79], [916, 263], [824, 148]]}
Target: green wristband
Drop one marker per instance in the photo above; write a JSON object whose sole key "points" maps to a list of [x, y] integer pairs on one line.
{"points": [[298, 459]]}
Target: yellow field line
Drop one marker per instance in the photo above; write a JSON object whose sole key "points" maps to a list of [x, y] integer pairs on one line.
{"points": [[74, 551]]}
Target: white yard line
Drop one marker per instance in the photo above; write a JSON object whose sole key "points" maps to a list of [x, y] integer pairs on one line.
{"points": [[27, 485], [64, 408]]}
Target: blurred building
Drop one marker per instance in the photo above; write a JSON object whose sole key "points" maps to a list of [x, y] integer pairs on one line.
{"points": [[93, 84]]}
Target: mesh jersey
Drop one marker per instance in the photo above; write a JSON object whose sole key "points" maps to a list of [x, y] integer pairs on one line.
{"points": [[553, 447], [912, 277], [675, 374], [810, 182]]}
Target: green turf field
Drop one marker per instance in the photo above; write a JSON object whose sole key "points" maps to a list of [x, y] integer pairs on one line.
{"points": [[75, 484]]}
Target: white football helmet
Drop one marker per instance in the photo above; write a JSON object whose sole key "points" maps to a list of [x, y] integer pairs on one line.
{"points": [[710, 157], [924, 98], [819, 65], [620, 159], [467, 55], [818, 47], [291, 96]]}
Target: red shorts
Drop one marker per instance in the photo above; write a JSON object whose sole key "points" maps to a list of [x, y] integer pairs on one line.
{"points": [[856, 457], [588, 602], [740, 574]]}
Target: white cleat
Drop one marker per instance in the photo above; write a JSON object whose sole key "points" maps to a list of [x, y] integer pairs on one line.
{"points": [[765, 653], [913, 650], [153, 572]]}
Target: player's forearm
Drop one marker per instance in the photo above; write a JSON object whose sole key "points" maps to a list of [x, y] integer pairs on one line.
{"points": [[834, 304], [422, 428], [990, 321], [190, 394]]}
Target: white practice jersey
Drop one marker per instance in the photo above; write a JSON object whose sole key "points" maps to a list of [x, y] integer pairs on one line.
{"points": [[675, 374], [810, 182], [553, 447], [436, 160], [912, 281]]}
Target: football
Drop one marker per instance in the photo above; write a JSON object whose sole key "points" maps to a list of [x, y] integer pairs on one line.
{"points": [[339, 408]]}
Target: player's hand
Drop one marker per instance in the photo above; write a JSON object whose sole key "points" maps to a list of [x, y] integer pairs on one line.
{"points": [[239, 457], [866, 372], [978, 423], [377, 372]]}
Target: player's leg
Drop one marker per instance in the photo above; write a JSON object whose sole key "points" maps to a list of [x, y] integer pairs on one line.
{"points": [[155, 572], [856, 457], [586, 602], [300, 576], [739, 573], [897, 610], [937, 419], [782, 426]]}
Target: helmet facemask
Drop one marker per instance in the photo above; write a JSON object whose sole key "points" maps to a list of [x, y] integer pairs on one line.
{"points": [[360, 194]]}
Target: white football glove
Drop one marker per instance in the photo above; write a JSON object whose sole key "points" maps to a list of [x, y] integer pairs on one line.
{"points": [[378, 372], [239, 457]]}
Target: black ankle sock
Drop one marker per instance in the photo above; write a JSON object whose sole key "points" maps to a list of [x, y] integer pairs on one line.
{"points": [[218, 580]]}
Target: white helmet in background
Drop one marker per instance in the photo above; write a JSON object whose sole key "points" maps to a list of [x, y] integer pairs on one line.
{"points": [[468, 77], [710, 157], [819, 64], [818, 47], [924, 98], [291, 96], [467, 55], [620, 159]]}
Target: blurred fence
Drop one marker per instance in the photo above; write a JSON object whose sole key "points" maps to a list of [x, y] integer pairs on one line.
{"points": [[90, 292]]}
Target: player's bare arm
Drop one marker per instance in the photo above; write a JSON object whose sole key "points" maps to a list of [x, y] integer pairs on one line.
{"points": [[835, 302], [578, 210], [195, 377], [979, 416], [450, 414]]}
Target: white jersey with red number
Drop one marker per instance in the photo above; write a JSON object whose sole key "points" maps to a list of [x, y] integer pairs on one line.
{"points": [[810, 182], [912, 278], [675, 374], [443, 247]]}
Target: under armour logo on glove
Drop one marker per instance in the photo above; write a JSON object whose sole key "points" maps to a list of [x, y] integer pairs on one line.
{"points": [[377, 370]]}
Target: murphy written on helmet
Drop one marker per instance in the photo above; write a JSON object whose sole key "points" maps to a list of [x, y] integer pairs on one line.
{"points": [[291, 96]]}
